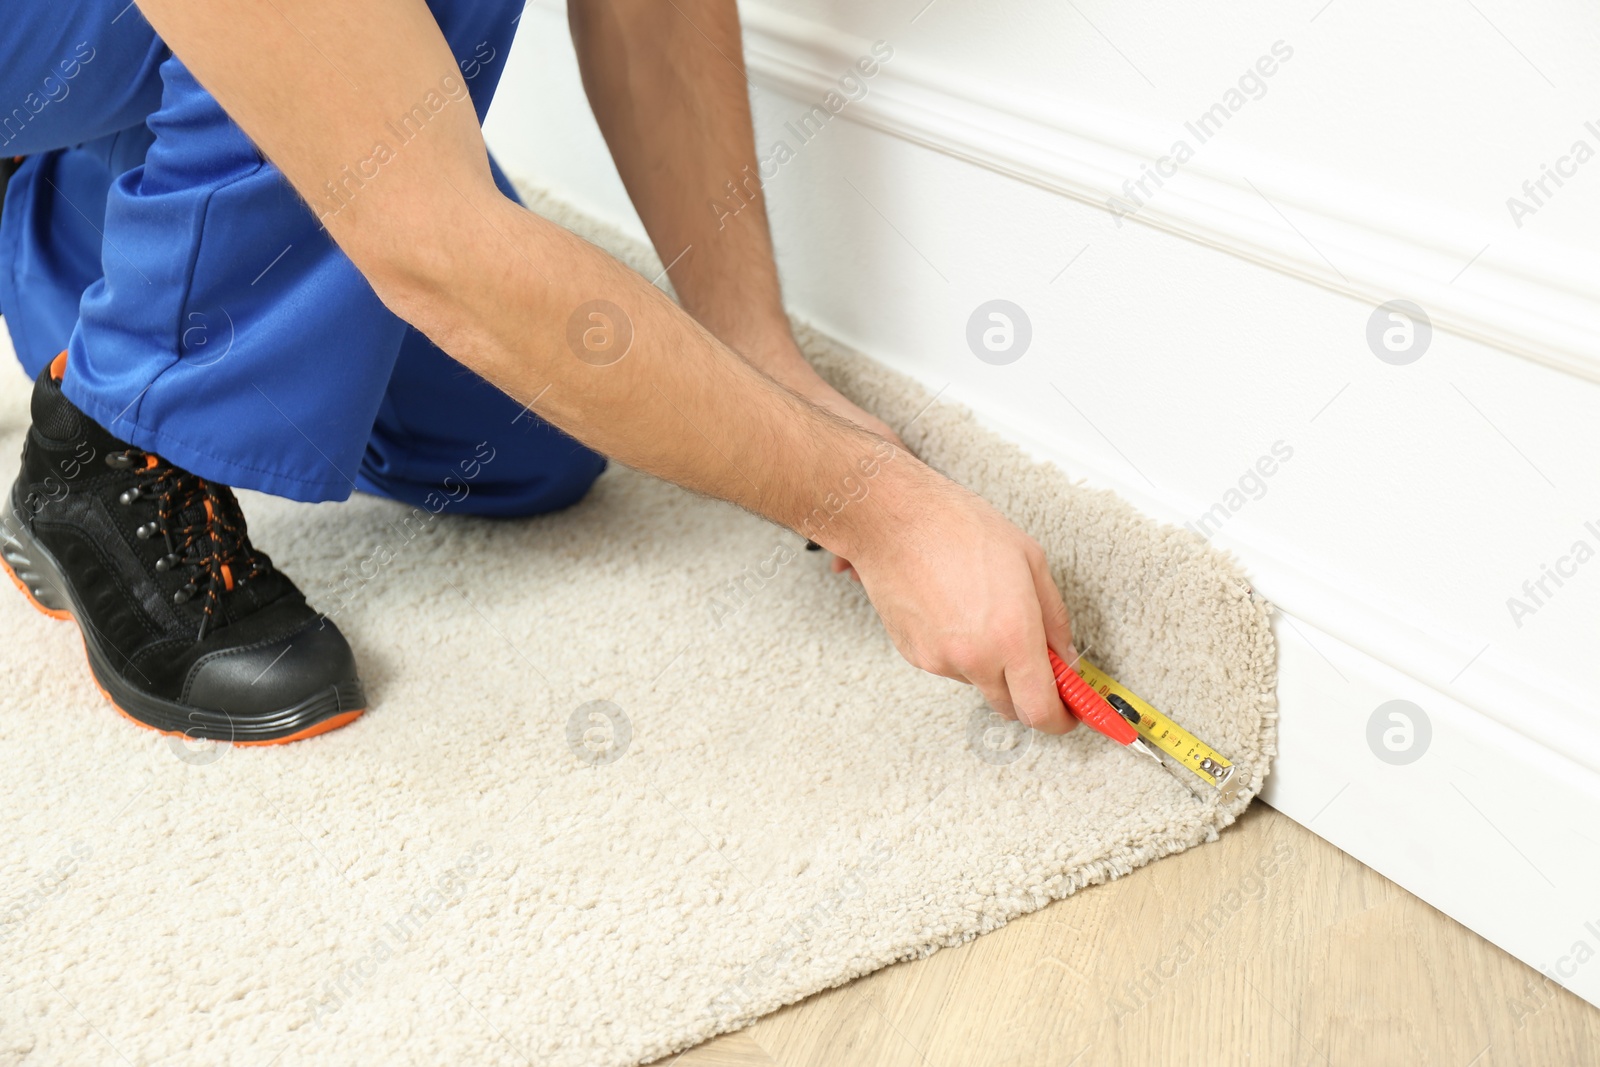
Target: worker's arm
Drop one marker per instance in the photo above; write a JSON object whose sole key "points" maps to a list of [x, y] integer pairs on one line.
{"points": [[668, 87], [320, 87]]}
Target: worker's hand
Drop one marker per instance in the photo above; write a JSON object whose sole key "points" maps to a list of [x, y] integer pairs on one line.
{"points": [[965, 594]]}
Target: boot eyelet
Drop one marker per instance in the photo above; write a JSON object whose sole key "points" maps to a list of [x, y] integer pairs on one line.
{"points": [[119, 461], [166, 563], [182, 596], [147, 531], [129, 495]]}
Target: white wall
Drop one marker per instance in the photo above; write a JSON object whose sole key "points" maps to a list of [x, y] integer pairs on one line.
{"points": [[1232, 314]]}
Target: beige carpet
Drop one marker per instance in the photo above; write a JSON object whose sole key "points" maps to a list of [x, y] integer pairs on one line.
{"points": [[469, 875]]}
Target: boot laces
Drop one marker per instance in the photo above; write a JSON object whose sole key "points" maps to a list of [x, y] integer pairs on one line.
{"points": [[204, 529]]}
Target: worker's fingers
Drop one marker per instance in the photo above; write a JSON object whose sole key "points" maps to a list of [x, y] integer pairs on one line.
{"points": [[997, 696], [1057, 623], [1032, 686]]}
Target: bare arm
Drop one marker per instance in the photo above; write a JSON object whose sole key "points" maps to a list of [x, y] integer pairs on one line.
{"points": [[668, 87], [317, 86], [667, 84]]}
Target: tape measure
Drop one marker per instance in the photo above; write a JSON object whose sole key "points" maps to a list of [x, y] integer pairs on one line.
{"points": [[1185, 748]]}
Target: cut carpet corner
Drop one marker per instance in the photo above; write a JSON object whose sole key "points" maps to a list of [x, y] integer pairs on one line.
{"points": [[447, 879]]}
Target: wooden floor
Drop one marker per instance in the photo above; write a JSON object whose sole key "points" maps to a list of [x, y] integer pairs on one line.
{"points": [[1200, 957]]}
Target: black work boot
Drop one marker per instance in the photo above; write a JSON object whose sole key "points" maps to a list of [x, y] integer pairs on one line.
{"points": [[188, 628]]}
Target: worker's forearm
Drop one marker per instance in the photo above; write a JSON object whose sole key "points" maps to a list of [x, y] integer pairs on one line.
{"points": [[667, 85], [678, 404]]}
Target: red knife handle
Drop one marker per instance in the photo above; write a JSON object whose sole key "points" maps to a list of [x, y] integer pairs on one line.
{"points": [[1090, 707]]}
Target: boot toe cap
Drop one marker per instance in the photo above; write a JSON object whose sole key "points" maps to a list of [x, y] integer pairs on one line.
{"points": [[275, 677]]}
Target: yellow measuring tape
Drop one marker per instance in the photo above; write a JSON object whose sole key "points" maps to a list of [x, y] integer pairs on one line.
{"points": [[1207, 763]]}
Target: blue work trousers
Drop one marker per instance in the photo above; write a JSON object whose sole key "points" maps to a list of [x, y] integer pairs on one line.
{"points": [[206, 314]]}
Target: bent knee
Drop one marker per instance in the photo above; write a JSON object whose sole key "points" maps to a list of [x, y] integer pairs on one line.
{"points": [[549, 491]]}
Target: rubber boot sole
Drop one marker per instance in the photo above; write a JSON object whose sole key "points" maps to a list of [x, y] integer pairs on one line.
{"points": [[34, 571]]}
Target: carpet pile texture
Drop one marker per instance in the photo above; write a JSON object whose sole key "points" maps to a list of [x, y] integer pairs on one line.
{"points": [[634, 775]]}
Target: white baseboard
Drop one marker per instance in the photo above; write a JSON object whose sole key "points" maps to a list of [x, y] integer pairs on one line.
{"points": [[1534, 298], [1486, 826]]}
